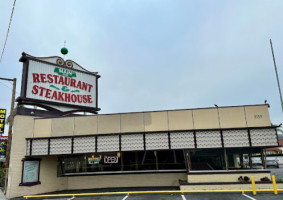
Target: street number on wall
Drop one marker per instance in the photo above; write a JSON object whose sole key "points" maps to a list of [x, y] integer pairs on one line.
{"points": [[258, 116]]}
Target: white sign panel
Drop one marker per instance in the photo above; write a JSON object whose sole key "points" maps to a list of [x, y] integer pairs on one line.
{"points": [[54, 83], [30, 171]]}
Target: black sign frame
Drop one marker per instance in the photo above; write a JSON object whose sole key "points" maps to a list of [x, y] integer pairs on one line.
{"points": [[23, 99]]}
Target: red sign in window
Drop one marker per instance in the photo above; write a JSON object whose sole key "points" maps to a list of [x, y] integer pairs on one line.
{"points": [[110, 159]]}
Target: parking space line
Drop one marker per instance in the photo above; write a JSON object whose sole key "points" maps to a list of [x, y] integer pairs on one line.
{"points": [[125, 197], [71, 198], [249, 197], [183, 197]]}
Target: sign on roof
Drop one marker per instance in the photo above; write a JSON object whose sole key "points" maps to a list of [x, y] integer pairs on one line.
{"points": [[58, 84]]}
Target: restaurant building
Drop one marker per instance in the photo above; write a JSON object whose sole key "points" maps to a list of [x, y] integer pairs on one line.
{"points": [[140, 149]]}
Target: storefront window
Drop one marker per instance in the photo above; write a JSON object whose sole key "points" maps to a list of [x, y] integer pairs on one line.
{"points": [[207, 160], [170, 160], [214, 159], [121, 162], [244, 158], [148, 160]]}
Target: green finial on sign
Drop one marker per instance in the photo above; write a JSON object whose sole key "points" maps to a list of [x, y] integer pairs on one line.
{"points": [[64, 50]]}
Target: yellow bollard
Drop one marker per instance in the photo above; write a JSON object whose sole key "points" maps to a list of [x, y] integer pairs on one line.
{"points": [[253, 185], [274, 185]]}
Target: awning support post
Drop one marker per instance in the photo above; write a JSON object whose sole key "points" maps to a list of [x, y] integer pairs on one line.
{"points": [[262, 159]]}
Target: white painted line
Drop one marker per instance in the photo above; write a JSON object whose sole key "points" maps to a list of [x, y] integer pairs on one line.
{"points": [[71, 198], [249, 197], [183, 197], [125, 198]]}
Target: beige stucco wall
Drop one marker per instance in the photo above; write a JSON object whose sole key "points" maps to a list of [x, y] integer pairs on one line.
{"points": [[85, 125], [42, 128], [207, 118], [109, 124], [230, 186], [132, 122], [257, 116], [63, 126], [232, 117], [180, 120], [204, 118], [127, 180], [206, 178], [156, 121], [23, 128]]}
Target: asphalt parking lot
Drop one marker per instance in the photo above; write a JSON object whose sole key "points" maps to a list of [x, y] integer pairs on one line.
{"points": [[277, 172], [207, 196]]}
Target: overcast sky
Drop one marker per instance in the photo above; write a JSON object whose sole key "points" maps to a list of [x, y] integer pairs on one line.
{"points": [[155, 54]]}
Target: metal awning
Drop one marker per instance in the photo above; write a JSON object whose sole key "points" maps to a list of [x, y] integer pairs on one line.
{"points": [[188, 139]]}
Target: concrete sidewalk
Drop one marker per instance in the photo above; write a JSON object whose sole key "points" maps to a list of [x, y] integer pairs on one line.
{"points": [[2, 196]]}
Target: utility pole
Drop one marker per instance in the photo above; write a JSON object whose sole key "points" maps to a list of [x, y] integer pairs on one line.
{"points": [[11, 119], [276, 75]]}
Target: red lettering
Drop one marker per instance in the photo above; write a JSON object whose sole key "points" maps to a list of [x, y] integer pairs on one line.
{"points": [[80, 98], [61, 80], [84, 87], [54, 95], [35, 89], [41, 91], [84, 99], [79, 85], [67, 97], [89, 88], [50, 79], [67, 81], [73, 82], [43, 77], [48, 92], [36, 78], [89, 98], [60, 96], [74, 98], [56, 78]]}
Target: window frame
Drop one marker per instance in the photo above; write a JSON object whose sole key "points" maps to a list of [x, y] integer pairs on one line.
{"points": [[62, 174], [38, 172]]}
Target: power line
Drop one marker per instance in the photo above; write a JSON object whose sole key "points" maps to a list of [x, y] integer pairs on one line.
{"points": [[6, 85], [9, 87], [11, 17]]}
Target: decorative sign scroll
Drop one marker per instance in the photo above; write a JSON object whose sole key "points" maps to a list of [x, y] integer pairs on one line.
{"points": [[31, 171]]}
